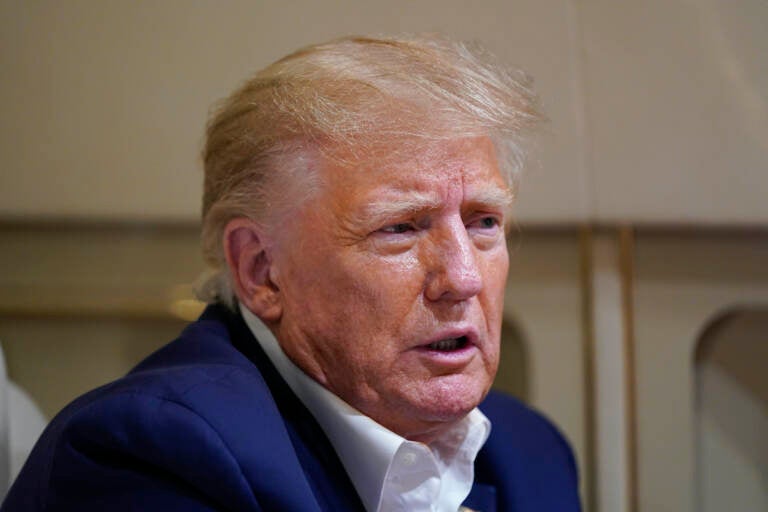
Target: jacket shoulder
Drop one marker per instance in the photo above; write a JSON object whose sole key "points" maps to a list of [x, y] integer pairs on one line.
{"points": [[527, 458], [193, 427]]}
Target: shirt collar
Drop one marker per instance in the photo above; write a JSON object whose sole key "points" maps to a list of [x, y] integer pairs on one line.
{"points": [[352, 433]]}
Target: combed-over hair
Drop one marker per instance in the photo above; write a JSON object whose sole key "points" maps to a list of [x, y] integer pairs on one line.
{"points": [[353, 100]]}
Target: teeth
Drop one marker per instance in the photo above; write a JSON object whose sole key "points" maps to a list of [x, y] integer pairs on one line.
{"points": [[451, 344]]}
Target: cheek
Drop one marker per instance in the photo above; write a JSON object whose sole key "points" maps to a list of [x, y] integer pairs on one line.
{"points": [[495, 276], [493, 303], [375, 301], [382, 282], [351, 295]]}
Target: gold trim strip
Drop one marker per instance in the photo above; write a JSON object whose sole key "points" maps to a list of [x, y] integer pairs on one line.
{"points": [[588, 362], [627, 269]]}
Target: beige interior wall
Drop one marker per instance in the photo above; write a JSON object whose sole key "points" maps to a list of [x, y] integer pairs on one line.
{"points": [[677, 103], [683, 283], [659, 109], [136, 270]]}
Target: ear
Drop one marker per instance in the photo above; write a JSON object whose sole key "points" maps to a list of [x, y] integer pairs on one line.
{"points": [[250, 265]]}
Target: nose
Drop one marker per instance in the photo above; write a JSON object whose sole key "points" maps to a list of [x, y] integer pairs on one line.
{"points": [[454, 273]]}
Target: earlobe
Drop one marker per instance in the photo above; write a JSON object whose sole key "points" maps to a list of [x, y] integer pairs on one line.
{"points": [[251, 267]]}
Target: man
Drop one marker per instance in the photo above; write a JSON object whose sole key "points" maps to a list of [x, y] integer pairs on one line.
{"points": [[356, 199]]}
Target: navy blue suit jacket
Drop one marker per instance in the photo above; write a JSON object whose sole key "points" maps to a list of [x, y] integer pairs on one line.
{"points": [[206, 423]]}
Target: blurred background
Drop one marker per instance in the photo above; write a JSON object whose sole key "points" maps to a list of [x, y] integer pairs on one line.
{"points": [[637, 306]]}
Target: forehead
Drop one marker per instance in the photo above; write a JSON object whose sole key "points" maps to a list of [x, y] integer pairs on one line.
{"points": [[466, 164]]}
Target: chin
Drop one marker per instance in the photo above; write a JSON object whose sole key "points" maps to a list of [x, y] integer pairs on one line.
{"points": [[437, 417], [453, 397]]}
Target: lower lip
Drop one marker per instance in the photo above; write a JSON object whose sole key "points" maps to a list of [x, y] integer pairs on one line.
{"points": [[458, 357]]}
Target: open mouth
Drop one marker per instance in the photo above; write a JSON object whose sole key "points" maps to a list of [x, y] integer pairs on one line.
{"points": [[449, 344]]}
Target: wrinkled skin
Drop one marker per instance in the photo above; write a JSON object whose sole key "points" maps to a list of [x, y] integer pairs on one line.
{"points": [[377, 264]]}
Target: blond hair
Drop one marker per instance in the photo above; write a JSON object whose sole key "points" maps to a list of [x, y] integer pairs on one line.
{"points": [[352, 100]]}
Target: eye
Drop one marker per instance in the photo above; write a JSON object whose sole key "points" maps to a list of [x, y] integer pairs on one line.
{"points": [[399, 228], [487, 222], [395, 238]]}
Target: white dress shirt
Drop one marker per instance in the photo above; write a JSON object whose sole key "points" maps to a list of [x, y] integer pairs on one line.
{"points": [[389, 472]]}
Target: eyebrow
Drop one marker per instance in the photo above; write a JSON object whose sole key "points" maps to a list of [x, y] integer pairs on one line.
{"points": [[492, 197], [413, 202]]}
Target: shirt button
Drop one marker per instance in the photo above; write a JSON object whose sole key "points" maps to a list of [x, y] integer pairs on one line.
{"points": [[408, 458]]}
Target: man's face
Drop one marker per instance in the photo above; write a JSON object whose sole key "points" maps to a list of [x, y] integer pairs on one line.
{"points": [[391, 284]]}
